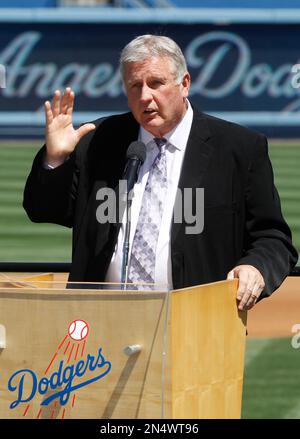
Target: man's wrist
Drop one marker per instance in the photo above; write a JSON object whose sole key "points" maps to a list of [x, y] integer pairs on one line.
{"points": [[47, 166], [52, 164]]}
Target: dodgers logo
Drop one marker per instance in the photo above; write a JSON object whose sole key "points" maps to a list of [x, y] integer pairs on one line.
{"points": [[69, 376]]}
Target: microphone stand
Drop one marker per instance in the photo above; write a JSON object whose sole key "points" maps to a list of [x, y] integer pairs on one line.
{"points": [[124, 272], [136, 155]]}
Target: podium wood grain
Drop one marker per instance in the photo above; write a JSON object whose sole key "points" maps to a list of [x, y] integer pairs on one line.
{"points": [[207, 350]]}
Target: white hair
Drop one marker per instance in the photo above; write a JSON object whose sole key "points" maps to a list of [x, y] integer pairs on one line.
{"points": [[146, 46]]}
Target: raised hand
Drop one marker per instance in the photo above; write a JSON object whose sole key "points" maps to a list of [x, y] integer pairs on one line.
{"points": [[61, 137]]}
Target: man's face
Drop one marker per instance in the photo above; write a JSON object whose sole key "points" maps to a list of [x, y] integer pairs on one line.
{"points": [[155, 99]]}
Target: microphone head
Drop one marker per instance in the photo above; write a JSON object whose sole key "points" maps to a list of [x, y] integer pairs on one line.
{"points": [[136, 150]]}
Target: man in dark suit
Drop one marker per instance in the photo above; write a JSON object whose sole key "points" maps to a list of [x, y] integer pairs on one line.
{"points": [[244, 233]]}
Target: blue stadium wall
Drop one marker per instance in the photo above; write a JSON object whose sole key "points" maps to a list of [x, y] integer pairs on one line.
{"points": [[240, 65]]}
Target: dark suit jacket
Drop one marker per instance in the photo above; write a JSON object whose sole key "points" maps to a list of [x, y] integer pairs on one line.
{"points": [[243, 223]]}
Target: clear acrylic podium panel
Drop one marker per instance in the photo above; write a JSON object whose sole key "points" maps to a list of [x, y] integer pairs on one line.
{"points": [[101, 351], [92, 352]]}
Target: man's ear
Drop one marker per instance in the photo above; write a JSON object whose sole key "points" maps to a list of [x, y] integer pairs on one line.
{"points": [[185, 84]]}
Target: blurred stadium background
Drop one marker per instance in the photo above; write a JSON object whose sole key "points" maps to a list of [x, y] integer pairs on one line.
{"points": [[240, 54]]}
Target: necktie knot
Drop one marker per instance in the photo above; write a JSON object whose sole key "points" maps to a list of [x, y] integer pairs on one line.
{"points": [[160, 142]]}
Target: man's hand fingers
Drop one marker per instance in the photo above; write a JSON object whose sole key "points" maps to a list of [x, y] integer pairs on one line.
{"points": [[251, 298], [243, 283], [243, 287], [48, 113], [56, 103], [251, 284], [65, 101], [85, 129], [70, 104], [230, 275], [248, 298], [242, 290]]}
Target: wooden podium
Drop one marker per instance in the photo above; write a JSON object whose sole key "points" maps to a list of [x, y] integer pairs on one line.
{"points": [[105, 353]]}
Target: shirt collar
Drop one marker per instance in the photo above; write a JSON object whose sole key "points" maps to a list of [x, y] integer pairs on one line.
{"points": [[175, 136]]}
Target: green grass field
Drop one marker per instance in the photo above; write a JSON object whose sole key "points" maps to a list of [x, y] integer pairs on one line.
{"points": [[20, 239], [271, 385], [271, 381]]}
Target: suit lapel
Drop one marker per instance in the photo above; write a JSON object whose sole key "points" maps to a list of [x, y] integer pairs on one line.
{"points": [[197, 157]]}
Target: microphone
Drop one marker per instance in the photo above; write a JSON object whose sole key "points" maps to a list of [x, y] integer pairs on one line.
{"points": [[136, 154]]}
